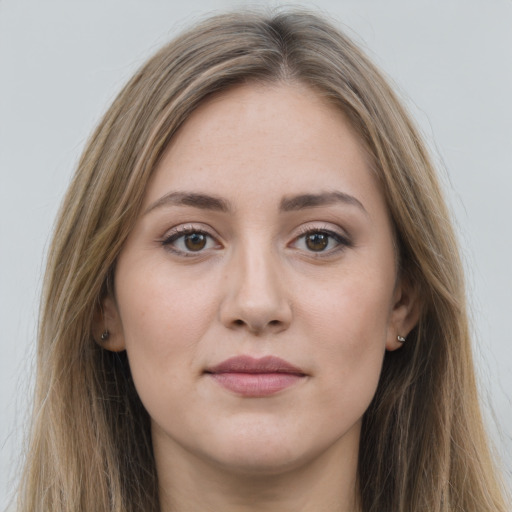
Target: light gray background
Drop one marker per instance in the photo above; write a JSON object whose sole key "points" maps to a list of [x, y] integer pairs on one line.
{"points": [[62, 62]]}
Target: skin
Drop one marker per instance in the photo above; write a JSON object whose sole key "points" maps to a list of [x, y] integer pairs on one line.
{"points": [[257, 288]]}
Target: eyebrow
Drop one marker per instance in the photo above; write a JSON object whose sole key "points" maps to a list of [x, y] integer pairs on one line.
{"points": [[196, 200], [288, 204], [303, 201]]}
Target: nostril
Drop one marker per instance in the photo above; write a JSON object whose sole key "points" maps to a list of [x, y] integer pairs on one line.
{"points": [[240, 323]]}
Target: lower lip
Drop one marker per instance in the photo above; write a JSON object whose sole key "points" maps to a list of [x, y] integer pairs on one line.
{"points": [[256, 384]]}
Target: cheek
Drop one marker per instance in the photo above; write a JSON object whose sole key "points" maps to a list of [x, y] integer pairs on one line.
{"points": [[353, 313], [349, 322], [163, 320]]}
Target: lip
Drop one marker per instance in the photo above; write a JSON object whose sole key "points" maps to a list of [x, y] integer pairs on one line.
{"points": [[251, 377]]}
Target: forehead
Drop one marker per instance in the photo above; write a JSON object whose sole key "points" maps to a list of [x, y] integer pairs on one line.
{"points": [[266, 139]]}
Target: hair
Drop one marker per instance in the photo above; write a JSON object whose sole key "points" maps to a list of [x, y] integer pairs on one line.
{"points": [[423, 445]]}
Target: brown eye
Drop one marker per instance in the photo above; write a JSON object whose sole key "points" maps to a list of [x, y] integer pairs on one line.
{"points": [[195, 241], [323, 242], [189, 241], [317, 241]]}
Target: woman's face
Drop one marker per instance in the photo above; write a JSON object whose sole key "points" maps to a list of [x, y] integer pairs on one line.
{"points": [[258, 291]]}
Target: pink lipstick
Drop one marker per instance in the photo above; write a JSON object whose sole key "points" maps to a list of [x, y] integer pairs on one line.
{"points": [[250, 377]]}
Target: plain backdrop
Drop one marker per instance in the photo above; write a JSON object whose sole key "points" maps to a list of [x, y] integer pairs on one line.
{"points": [[62, 63]]}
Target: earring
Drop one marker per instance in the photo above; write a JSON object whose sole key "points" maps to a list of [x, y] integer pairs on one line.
{"points": [[105, 335], [400, 339]]}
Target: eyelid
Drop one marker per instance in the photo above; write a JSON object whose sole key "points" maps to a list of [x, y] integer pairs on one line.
{"points": [[325, 227], [336, 233], [175, 233]]}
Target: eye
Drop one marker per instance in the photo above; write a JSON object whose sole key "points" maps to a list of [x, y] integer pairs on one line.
{"points": [[188, 241], [320, 241]]}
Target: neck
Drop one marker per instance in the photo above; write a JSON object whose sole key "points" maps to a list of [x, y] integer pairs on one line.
{"points": [[326, 483]]}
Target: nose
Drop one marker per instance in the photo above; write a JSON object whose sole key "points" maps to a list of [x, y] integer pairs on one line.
{"points": [[255, 298]]}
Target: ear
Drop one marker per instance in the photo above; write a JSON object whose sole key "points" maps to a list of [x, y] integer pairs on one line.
{"points": [[405, 312], [107, 327]]}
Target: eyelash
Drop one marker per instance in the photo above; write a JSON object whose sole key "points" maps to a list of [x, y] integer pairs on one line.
{"points": [[342, 242], [181, 232]]}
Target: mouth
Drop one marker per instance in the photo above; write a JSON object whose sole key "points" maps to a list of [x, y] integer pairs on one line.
{"points": [[250, 377]]}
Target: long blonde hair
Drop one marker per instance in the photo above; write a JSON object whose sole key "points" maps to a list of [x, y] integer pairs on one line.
{"points": [[423, 446]]}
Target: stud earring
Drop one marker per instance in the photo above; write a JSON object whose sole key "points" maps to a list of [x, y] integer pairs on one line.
{"points": [[400, 339], [105, 335]]}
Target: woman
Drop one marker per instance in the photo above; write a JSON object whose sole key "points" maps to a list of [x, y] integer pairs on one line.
{"points": [[254, 299]]}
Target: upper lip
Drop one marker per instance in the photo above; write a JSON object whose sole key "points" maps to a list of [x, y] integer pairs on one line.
{"points": [[248, 364]]}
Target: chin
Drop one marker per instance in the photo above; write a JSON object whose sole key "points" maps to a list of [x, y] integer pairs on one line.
{"points": [[260, 451]]}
